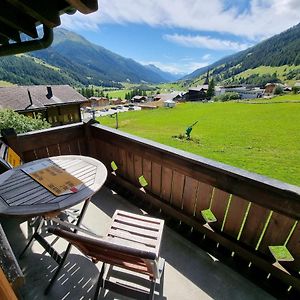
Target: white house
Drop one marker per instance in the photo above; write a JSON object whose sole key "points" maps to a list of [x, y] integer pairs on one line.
{"points": [[169, 103], [244, 92]]}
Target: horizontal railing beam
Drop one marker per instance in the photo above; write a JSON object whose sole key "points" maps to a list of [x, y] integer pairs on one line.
{"points": [[270, 193]]}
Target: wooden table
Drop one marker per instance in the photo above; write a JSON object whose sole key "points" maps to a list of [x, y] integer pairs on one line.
{"points": [[22, 196]]}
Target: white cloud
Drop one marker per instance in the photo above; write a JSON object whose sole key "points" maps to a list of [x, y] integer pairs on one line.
{"points": [[206, 56], [263, 18], [199, 41]]}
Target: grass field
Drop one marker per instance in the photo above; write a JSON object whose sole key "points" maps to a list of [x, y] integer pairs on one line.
{"points": [[260, 138], [280, 70]]}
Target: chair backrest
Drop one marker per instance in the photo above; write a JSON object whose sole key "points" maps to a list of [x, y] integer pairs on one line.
{"points": [[8, 158], [135, 258]]}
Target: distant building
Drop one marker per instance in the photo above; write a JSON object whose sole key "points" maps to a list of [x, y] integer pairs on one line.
{"points": [[270, 88], [115, 101], [197, 93], [297, 84], [174, 96], [169, 103], [98, 101], [138, 99], [58, 104], [243, 91]]}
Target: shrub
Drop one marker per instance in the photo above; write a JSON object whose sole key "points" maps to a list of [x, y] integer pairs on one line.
{"points": [[296, 89], [278, 90], [21, 123]]}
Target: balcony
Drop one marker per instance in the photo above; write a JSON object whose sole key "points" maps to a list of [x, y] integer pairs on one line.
{"points": [[250, 213]]}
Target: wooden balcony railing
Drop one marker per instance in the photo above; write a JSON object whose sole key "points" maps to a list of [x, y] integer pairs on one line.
{"points": [[251, 212]]}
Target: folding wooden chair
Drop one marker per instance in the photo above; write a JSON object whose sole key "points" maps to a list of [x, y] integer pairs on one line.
{"points": [[132, 243]]}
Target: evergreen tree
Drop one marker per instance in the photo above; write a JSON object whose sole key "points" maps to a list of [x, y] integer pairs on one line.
{"points": [[211, 89]]}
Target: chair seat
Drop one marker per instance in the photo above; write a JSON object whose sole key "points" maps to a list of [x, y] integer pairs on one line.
{"points": [[132, 242]]}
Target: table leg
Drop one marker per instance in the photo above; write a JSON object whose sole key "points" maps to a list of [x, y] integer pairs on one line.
{"points": [[36, 232], [86, 203]]}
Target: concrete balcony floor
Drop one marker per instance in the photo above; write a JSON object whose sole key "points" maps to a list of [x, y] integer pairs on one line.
{"points": [[190, 272]]}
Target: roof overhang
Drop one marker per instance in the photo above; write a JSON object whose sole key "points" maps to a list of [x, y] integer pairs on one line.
{"points": [[19, 20]]}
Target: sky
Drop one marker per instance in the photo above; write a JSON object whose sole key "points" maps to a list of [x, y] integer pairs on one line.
{"points": [[179, 36]]}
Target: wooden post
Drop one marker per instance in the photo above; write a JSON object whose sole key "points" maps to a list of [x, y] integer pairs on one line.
{"points": [[6, 291], [117, 121], [89, 138]]}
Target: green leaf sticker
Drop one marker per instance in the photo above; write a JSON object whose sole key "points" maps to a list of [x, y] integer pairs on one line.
{"points": [[208, 216], [114, 166], [281, 253], [143, 181]]}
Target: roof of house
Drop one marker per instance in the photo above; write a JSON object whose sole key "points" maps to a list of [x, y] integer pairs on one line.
{"points": [[42, 96], [199, 88], [169, 96], [139, 97]]}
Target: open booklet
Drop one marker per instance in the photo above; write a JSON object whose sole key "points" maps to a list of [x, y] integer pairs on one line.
{"points": [[53, 178]]}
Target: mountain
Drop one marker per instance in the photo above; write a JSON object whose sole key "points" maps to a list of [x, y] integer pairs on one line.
{"points": [[165, 75], [74, 60], [275, 59]]}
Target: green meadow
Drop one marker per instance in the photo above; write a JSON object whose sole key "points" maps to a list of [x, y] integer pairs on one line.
{"points": [[262, 138]]}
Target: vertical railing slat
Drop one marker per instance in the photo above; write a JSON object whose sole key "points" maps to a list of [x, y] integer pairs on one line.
{"points": [[204, 195], [218, 207], [156, 179], [190, 195], [166, 184], [235, 216], [276, 233], [254, 225], [177, 189]]}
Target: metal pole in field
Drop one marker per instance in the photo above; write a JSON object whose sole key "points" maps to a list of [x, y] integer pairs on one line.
{"points": [[117, 121]]}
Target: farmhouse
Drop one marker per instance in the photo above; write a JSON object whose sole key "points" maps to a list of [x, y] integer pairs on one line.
{"points": [[98, 101], [197, 93], [116, 101], [174, 96], [138, 99], [58, 104]]}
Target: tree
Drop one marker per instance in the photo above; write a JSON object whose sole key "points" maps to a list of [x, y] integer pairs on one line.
{"points": [[21, 123], [211, 89], [296, 89], [278, 90]]}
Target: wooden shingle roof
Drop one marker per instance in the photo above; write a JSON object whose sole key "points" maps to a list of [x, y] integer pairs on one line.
{"points": [[42, 96]]}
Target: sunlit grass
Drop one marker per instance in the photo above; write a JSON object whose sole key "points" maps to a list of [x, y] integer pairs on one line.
{"points": [[260, 138]]}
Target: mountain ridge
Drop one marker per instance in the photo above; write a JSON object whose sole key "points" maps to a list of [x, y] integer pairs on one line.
{"points": [[70, 53], [279, 50]]}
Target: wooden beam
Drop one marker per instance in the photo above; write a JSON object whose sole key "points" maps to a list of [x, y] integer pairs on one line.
{"points": [[3, 40], [48, 15], [6, 291], [84, 6], [272, 194], [9, 263], [18, 20], [9, 32]]}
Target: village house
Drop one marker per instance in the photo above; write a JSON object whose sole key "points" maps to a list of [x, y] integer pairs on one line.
{"points": [[98, 101], [58, 104], [174, 96], [197, 93], [116, 101], [139, 99]]}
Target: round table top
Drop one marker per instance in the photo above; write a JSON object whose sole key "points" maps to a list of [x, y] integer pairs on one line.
{"points": [[20, 195]]}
